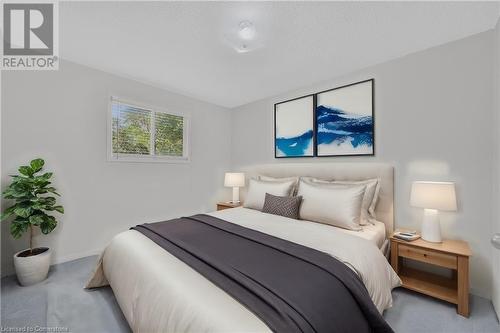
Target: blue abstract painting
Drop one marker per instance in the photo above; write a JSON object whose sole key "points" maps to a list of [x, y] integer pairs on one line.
{"points": [[344, 118], [294, 123]]}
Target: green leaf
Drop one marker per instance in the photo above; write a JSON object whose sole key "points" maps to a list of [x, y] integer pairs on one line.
{"points": [[18, 227], [36, 219], [60, 209], [38, 206], [37, 164], [48, 224], [23, 211], [48, 201], [7, 213], [41, 183], [47, 175], [26, 170], [19, 194], [52, 190]]}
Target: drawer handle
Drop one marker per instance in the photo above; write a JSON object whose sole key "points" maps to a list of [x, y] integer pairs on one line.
{"points": [[425, 255]]}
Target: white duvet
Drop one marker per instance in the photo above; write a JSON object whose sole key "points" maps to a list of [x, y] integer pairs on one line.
{"points": [[159, 293]]}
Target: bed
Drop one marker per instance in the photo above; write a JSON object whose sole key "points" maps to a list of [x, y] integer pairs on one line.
{"points": [[157, 292]]}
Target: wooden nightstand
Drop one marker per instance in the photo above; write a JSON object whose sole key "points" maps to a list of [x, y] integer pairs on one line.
{"points": [[227, 205], [451, 254]]}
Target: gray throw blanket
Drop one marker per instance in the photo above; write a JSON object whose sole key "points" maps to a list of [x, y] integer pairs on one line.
{"points": [[290, 287]]}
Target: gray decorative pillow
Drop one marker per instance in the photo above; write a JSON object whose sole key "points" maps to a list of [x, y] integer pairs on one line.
{"points": [[283, 206]]}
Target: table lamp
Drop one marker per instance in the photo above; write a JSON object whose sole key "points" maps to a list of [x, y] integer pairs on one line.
{"points": [[235, 180], [433, 196]]}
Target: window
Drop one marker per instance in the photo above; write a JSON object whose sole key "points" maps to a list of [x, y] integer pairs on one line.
{"points": [[143, 133]]}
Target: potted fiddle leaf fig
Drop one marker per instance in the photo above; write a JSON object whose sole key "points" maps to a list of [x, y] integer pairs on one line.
{"points": [[34, 202]]}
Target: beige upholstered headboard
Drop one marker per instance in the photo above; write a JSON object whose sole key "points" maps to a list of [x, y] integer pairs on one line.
{"points": [[338, 171]]}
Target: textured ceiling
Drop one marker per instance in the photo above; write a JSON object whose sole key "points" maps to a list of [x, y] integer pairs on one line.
{"points": [[186, 47]]}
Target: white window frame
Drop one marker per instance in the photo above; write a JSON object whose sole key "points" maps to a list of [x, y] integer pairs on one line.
{"points": [[151, 158]]}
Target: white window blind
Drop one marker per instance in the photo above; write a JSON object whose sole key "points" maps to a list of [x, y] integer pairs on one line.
{"points": [[142, 133]]}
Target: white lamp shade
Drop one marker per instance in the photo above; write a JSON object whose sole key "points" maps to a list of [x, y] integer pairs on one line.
{"points": [[434, 195], [234, 179]]}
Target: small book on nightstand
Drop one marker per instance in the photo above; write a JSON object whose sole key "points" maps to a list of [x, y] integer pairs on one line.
{"points": [[407, 235]]}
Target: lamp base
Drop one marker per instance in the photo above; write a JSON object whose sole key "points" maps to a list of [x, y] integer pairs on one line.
{"points": [[236, 195], [431, 230]]}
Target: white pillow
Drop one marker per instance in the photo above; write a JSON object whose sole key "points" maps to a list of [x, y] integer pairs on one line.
{"points": [[371, 195], [334, 204], [369, 200], [273, 179], [257, 189]]}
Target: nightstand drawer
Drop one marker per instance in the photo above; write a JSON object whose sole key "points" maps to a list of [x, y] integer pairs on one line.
{"points": [[428, 256]]}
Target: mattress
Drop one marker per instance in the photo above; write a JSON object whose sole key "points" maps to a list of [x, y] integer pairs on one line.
{"points": [[158, 292]]}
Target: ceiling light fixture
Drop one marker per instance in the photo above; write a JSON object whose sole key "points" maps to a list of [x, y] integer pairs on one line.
{"points": [[247, 30], [242, 49]]}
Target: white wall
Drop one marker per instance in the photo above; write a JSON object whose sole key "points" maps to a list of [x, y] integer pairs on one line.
{"points": [[496, 174], [61, 116], [433, 121]]}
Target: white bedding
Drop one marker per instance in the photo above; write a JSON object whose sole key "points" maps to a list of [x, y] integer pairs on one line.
{"points": [[159, 293], [373, 232]]}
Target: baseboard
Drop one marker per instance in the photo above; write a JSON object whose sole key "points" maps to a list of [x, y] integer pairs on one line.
{"points": [[496, 306], [74, 256], [481, 293], [57, 260]]}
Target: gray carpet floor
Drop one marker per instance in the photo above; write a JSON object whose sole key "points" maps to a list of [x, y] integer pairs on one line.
{"points": [[61, 302]]}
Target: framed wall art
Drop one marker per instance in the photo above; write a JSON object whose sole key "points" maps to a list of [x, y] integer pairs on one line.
{"points": [[294, 128], [344, 120]]}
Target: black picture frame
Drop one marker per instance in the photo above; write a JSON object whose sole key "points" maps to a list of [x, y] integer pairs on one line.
{"points": [[313, 107], [372, 80]]}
